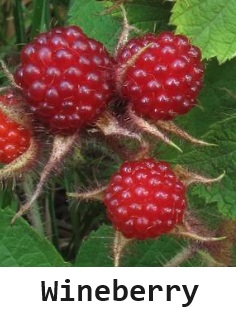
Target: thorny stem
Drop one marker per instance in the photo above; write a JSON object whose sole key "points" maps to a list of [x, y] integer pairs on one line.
{"points": [[51, 229], [120, 242], [61, 147], [185, 254], [110, 128], [196, 237], [124, 36], [97, 194], [194, 229], [209, 260], [223, 253], [35, 215], [118, 148], [124, 154], [113, 7]]}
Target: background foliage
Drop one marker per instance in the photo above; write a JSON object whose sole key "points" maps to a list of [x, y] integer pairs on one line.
{"points": [[79, 233]]}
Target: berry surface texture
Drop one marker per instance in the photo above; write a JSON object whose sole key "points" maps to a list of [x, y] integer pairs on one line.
{"points": [[66, 78], [14, 139], [145, 199], [159, 75]]}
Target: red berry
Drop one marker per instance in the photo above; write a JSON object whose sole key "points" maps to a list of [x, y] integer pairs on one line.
{"points": [[145, 199], [66, 77], [9, 99], [160, 75], [14, 139]]}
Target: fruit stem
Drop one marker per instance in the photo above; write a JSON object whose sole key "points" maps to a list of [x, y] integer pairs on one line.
{"points": [[111, 129], [120, 242], [209, 260], [124, 36], [51, 229], [34, 216], [185, 254], [224, 252], [97, 194], [113, 7], [196, 237], [61, 147]]}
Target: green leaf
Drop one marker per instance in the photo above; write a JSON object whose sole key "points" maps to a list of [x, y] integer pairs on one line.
{"points": [[152, 253], [212, 162], [96, 251], [41, 17], [216, 102], [217, 98], [208, 122], [19, 22], [148, 15], [89, 15], [211, 24], [21, 246], [8, 199]]}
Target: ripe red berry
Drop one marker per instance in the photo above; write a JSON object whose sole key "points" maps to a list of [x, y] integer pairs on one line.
{"points": [[9, 99], [145, 199], [14, 139], [66, 78], [160, 75]]}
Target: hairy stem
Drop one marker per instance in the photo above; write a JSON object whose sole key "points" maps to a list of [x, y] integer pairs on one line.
{"points": [[120, 242], [96, 194], [124, 36], [51, 221], [223, 252], [185, 254], [34, 215], [61, 147]]}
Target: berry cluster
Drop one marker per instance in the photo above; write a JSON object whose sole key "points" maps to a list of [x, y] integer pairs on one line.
{"points": [[67, 80], [66, 77]]}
